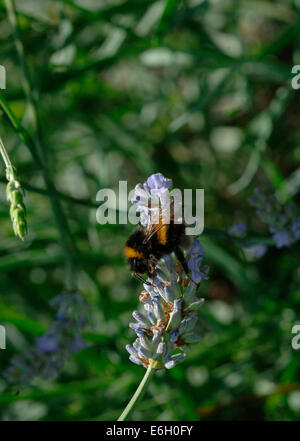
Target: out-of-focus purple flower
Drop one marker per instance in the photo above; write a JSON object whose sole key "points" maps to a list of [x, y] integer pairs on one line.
{"points": [[258, 250], [281, 219], [238, 230], [61, 316], [282, 239], [47, 344], [47, 357], [19, 372], [296, 228], [257, 198], [78, 343]]}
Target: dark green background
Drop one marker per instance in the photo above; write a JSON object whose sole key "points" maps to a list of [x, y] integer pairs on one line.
{"points": [[201, 92]]}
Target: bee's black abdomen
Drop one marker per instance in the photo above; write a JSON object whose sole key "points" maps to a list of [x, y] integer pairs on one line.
{"points": [[142, 254], [135, 241]]}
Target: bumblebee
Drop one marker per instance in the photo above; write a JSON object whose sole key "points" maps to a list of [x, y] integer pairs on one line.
{"points": [[147, 245]]}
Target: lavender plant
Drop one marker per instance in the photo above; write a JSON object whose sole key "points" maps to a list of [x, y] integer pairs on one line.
{"points": [[51, 350], [239, 230], [282, 220], [166, 328], [170, 313]]}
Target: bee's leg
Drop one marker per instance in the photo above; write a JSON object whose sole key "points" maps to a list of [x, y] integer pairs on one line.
{"points": [[152, 272], [180, 256], [140, 278]]}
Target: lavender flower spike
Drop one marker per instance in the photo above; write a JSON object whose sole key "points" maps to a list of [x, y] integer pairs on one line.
{"points": [[172, 305], [151, 198], [282, 220]]}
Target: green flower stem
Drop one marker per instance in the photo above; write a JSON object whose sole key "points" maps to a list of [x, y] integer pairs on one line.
{"points": [[4, 155], [25, 78], [22, 133], [138, 393]]}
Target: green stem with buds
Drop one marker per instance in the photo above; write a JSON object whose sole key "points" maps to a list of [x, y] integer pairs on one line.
{"points": [[14, 194], [138, 393]]}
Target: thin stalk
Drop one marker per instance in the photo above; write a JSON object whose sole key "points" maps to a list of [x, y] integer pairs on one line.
{"points": [[11, 12], [4, 155], [22, 133], [138, 393], [62, 196]]}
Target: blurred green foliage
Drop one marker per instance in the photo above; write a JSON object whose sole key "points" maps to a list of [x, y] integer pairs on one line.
{"points": [[199, 91]]}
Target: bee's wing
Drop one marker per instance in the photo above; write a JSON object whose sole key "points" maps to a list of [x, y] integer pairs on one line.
{"points": [[151, 230], [154, 228]]}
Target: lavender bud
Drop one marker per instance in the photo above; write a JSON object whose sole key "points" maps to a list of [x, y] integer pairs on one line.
{"points": [[169, 296], [173, 336], [188, 323], [146, 343], [151, 317], [175, 316], [175, 360], [190, 292], [169, 263], [161, 348], [195, 305], [156, 338], [175, 286], [158, 310], [131, 350], [135, 360], [139, 317], [144, 353]]}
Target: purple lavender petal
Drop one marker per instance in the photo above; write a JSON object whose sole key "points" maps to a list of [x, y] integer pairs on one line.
{"points": [[238, 229], [296, 228], [158, 182], [47, 344], [282, 239]]}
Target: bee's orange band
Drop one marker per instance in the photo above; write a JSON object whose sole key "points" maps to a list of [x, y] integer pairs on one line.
{"points": [[162, 235], [131, 252]]}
